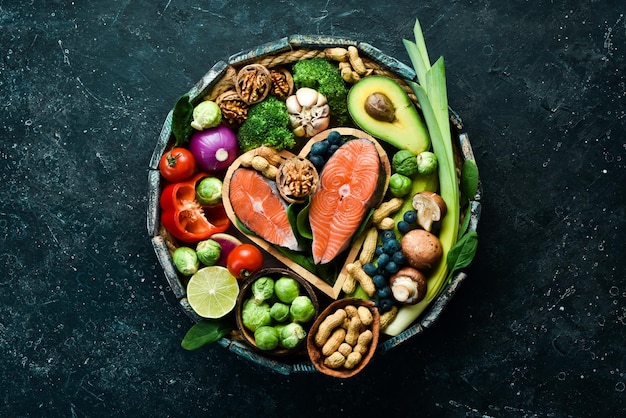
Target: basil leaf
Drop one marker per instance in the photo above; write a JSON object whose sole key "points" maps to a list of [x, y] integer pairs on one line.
{"points": [[205, 332], [182, 116], [302, 222], [462, 253], [469, 179], [465, 224]]}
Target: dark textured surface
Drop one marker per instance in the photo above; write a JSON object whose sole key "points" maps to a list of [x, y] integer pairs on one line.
{"points": [[87, 324]]}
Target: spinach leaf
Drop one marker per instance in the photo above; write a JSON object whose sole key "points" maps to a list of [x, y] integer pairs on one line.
{"points": [[182, 116], [462, 253], [469, 179], [205, 332]]}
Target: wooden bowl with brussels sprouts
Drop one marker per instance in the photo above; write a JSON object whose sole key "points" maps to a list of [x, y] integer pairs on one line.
{"points": [[275, 310]]}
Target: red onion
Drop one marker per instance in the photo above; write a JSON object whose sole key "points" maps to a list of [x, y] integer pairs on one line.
{"points": [[214, 149]]}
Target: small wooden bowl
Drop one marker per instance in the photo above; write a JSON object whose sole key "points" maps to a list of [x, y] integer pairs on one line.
{"points": [[246, 292], [315, 352]]}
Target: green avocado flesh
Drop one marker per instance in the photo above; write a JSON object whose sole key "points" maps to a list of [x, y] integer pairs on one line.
{"points": [[406, 129]]}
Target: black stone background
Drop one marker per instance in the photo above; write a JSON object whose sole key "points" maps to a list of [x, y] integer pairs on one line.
{"points": [[88, 326]]}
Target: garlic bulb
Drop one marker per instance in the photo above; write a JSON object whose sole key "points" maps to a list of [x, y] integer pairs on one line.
{"points": [[309, 112]]}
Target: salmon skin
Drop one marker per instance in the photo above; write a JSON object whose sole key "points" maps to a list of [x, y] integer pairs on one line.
{"points": [[257, 204], [348, 189]]}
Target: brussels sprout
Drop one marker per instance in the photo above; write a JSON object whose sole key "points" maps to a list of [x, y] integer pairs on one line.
{"points": [[206, 114], [302, 309], [208, 252], [186, 260], [255, 315], [404, 162], [266, 337], [286, 289], [426, 162], [279, 312], [292, 335], [209, 191], [399, 185], [262, 289]]}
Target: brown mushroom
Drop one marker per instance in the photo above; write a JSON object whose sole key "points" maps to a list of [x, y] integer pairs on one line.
{"points": [[408, 285], [430, 207], [421, 248]]}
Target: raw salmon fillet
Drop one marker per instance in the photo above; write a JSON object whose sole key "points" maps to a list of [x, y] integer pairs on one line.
{"points": [[258, 205], [348, 185]]}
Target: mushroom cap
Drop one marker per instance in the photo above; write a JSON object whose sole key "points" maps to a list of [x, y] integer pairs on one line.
{"points": [[421, 248], [430, 207]]}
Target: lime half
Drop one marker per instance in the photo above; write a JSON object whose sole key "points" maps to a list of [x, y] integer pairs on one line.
{"points": [[212, 291]]}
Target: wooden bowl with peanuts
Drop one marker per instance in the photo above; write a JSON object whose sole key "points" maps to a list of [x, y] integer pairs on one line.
{"points": [[344, 337]]}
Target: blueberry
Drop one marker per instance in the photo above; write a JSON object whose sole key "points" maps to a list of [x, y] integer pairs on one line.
{"points": [[319, 148], [370, 269], [399, 258], [384, 292], [387, 235], [404, 227], [334, 138], [391, 267], [317, 160], [332, 149], [385, 304], [391, 246], [379, 281], [410, 216], [378, 251], [383, 259]]}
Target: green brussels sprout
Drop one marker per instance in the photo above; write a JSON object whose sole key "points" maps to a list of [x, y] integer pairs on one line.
{"points": [[266, 337], [208, 252], [426, 162], [399, 185], [302, 309], [286, 289], [209, 191], [255, 315], [280, 312], [404, 162], [292, 335], [262, 289], [186, 260], [206, 114]]}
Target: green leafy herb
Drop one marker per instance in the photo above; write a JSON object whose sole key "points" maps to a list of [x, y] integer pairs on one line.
{"points": [[205, 332], [182, 115], [462, 253], [469, 179]]}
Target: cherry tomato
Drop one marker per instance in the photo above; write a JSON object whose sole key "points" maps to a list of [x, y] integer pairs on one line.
{"points": [[244, 260], [177, 164]]}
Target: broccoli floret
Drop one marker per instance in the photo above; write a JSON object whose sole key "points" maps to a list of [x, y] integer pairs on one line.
{"points": [[267, 124], [325, 77]]}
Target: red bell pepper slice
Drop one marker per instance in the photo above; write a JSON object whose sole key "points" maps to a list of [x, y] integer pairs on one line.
{"points": [[185, 218]]}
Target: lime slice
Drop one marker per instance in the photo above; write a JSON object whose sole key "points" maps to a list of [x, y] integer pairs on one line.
{"points": [[212, 291]]}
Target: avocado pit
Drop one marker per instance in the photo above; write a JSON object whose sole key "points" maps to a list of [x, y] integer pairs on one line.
{"points": [[380, 107]]}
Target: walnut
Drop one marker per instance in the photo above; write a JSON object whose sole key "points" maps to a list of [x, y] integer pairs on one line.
{"points": [[282, 83], [234, 108], [253, 83], [297, 178]]}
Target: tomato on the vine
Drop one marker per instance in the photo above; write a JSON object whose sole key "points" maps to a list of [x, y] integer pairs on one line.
{"points": [[244, 260], [177, 164]]}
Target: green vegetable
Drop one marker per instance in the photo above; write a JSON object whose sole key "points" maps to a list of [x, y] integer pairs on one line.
{"points": [[266, 337], [426, 162], [205, 332], [262, 289], [181, 120], [302, 309], [286, 289], [292, 335], [399, 185], [280, 312], [209, 191], [267, 124], [469, 179], [206, 114], [208, 252], [325, 77], [255, 315], [186, 260], [431, 93], [404, 162]]}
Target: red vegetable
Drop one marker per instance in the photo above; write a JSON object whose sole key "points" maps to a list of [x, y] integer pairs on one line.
{"points": [[176, 165], [185, 218], [244, 260], [214, 149]]}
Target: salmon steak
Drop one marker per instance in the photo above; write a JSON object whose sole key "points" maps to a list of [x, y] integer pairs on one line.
{"points": [[348, 189], [257, 204]]}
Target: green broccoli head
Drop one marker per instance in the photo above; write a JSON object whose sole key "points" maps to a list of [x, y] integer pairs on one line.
{"points": [[267, 124], [325, 77]]}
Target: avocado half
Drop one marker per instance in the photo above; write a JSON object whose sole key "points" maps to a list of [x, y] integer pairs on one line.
{"points": [[380, 107]]}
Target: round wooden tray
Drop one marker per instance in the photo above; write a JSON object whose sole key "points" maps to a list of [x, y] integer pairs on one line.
{"points": [[283, 52]]}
